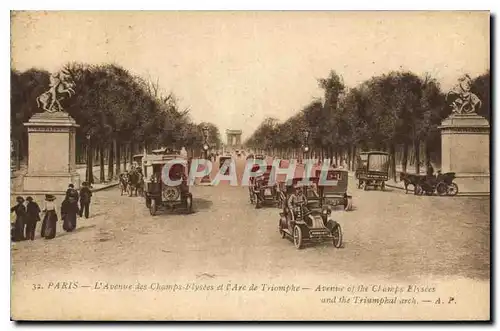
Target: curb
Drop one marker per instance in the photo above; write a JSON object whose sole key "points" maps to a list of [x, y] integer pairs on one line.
{"points": [[104, 187], [460, 194]]}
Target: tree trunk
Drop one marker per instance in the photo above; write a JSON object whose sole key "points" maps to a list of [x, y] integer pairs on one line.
{"points": [[102, 178], [118, 157], [131, 156], [111, 161], [349, 153], [353, 164], [404, 160], [90, 165], [124, 156], [416, 147], [427, 154], [392, 152]]}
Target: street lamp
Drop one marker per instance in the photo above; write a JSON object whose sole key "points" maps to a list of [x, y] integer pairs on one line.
{"points": [[90, 174], [306, 134], [206, 147]]}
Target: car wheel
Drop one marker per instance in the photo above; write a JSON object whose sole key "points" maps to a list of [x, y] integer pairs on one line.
{"points": [[365, 186], [189, 204], [257, 204], [280, 229], [442, 189], [297, 237], [417, 190], [337, 236], [152, 208], [148, 202], [382, 186], [452, 189]]}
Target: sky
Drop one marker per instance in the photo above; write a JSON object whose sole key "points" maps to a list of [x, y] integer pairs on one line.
{"points": [[236, 68]]}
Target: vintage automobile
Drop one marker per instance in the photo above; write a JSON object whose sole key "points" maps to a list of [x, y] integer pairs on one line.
{"points": [[158, 194], [442, 184], [308, 223], [222, 160], [336, 194], [372, 169], [262, 191]]}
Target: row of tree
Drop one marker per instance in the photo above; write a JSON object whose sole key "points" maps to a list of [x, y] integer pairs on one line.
{"points": [[119, 114], [395, 111]]}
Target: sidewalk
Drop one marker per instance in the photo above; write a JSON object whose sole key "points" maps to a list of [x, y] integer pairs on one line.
{"points": [[18, 175]]}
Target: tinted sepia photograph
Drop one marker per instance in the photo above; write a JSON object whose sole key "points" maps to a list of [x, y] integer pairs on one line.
{"points": [[250, 165]]}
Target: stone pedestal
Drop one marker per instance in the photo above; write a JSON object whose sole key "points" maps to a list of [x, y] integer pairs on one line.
{"points": [[465, 150], [51, 154]]}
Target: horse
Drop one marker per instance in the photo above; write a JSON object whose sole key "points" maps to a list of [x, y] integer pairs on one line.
{"points": [[410, 179], [123, 183], [134, 182]]}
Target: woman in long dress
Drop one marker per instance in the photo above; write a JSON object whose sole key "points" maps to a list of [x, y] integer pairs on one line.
{"points": [[69, 210], [50, 218]]}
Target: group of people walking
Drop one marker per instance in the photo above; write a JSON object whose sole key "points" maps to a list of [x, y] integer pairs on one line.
{"points": [[28, 213]]}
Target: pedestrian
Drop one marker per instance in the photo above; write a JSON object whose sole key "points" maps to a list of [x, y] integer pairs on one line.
{"points": [[32, 217], [69, 211], [17, 233], [85, 197], [50, 219]]}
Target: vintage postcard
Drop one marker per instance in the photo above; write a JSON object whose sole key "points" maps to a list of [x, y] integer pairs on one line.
{"points": [[250, 165]]}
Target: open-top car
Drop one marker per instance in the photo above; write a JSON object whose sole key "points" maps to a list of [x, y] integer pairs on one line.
{"points": [[334, 192], [160, 193], [306, 222], [262, 191], [372, 169]]}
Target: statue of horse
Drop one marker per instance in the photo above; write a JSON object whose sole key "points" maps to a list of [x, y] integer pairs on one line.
{"points": [[50, 100]]}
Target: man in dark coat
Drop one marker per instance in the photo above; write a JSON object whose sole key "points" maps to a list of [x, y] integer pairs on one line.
{"points": [[85, 197], [20, 210], [32, 217]]}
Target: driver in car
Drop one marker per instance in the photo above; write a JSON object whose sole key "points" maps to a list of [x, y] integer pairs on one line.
{"points": [[295, 200]]}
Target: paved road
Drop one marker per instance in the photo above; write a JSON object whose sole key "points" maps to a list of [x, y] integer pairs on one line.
{"points": [[388, 233]]}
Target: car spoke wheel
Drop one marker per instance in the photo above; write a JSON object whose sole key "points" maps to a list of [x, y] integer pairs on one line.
{"points": [[337, 236], [280, 229], [418, 190], [189, 204], [452, 189], [348, 205], [297, 237], [382, 187], [442, 189], [152, 208]]}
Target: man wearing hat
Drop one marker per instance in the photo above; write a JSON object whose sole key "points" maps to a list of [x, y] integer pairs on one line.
{"points": [[32, 217], [85, 197], [296, 199], [18, 232]]}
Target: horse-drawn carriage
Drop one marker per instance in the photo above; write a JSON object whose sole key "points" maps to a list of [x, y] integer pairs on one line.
{"points": [[372, 169], [132, 182], [262, 191], [162, 191], [442, 184], [307, 221]]}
